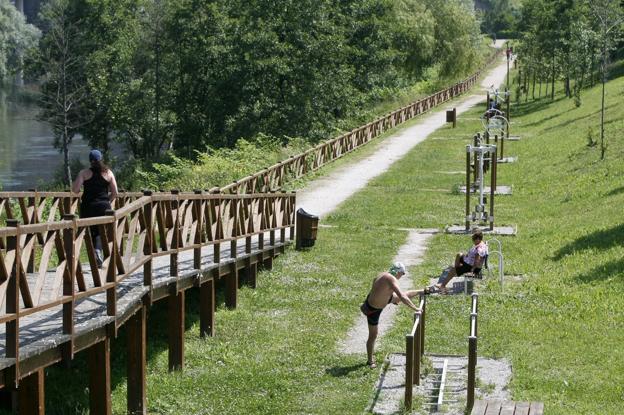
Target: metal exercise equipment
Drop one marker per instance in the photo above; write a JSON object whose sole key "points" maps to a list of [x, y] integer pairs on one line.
{"points": [[495, 124], [485, 154]]}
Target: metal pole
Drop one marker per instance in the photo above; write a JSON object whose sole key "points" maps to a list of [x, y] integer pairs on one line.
{"points": [[477, 140], [502, 145], [492, 189], [467, 188]]}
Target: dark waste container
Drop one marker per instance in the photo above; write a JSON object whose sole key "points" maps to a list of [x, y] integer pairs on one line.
{"points": [[307, 224]]}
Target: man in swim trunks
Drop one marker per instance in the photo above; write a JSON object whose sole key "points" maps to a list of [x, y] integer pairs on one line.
{"points": [[385, 290]]}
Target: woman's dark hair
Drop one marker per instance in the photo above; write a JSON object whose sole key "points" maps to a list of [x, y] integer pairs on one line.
{"points": [[99, 166], [477, 234]]}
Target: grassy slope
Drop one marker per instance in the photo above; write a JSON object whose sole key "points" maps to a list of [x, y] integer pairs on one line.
{"points": [[561, 328]]}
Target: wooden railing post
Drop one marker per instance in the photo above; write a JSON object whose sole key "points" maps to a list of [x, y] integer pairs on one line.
{"points": [[175, 240], [292, 202], [31, 393], [13, 301], [416, 347], [231, 282], [472, 365], [216, 208], [422, 324], [199, 217], [176, 330], [69, 278], [148, 248], [409, 370], [207, 308], [100, 378], [111, 272], [137, 358]]}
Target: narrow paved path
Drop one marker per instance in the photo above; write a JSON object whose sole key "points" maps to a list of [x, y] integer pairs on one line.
{"points": [[325, 194]]}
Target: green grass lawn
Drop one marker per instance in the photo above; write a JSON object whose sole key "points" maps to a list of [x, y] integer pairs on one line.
{"points": [[561, 327]]}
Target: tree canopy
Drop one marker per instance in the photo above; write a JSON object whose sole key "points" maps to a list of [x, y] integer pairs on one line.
{"points": [[163, 75]]}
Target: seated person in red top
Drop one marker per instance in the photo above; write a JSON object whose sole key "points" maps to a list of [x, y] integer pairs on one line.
{"points": [[464, 263]]}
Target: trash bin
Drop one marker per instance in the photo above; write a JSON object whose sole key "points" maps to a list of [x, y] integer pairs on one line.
{"points": [[307, 225]]}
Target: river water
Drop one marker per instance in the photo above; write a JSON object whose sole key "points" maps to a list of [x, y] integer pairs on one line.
{"points": [[27, 156]]}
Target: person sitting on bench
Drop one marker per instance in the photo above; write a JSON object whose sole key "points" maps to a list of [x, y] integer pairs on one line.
{"points": [[465, 263]]}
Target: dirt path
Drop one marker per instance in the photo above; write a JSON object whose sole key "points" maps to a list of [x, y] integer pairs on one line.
{"points": [[411, 253]]}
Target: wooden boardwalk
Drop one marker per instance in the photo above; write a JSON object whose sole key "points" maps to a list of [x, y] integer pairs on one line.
{"points": [[41, 332], [55, 301], [507, 408]]}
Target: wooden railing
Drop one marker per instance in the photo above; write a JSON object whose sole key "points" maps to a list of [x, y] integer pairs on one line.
{"points": [[274, 177], [472, 353], [46, 262], [414, 350]]}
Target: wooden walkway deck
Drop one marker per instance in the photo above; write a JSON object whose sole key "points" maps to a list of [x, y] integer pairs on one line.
{"points": [[42, 332], [507, 408], [56, 302]]}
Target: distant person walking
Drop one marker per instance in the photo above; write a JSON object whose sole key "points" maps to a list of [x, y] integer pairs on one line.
{"points": [[100, 189], [385, 290]]}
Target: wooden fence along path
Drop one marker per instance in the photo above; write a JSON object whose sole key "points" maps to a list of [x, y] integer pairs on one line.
{"points": [[274, 177], [55, 301], [414, 351]]}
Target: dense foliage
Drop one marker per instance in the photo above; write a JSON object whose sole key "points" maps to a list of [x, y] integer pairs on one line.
{"points": [[499, 17], [16, 37], [164, 76]]}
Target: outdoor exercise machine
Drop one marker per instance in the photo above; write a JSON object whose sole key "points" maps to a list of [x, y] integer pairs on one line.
{"points": [[485, 154], [496, 125]]}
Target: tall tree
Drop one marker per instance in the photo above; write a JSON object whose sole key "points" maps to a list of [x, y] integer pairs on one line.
{"points": [[64, 86], [609, 16]]}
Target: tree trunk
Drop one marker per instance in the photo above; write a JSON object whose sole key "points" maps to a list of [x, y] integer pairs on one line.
{"points": [[533, 90], [66, 167], [568, 93], [552, 89]]}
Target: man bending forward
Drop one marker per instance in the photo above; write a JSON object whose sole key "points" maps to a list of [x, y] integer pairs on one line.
{"points": [[385, 290]]}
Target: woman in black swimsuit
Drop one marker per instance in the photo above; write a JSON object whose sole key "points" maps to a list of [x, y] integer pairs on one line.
{"points": [[100, 189]]}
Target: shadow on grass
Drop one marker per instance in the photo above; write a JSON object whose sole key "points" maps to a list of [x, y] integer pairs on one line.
{"points": [[602, 239], [602, 272], [616, 191], [532, 106], [593, 114], [340, 371]]}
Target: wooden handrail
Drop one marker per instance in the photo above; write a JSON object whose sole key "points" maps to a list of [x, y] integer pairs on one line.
{"points": [[61, 253], [414, 350]]}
